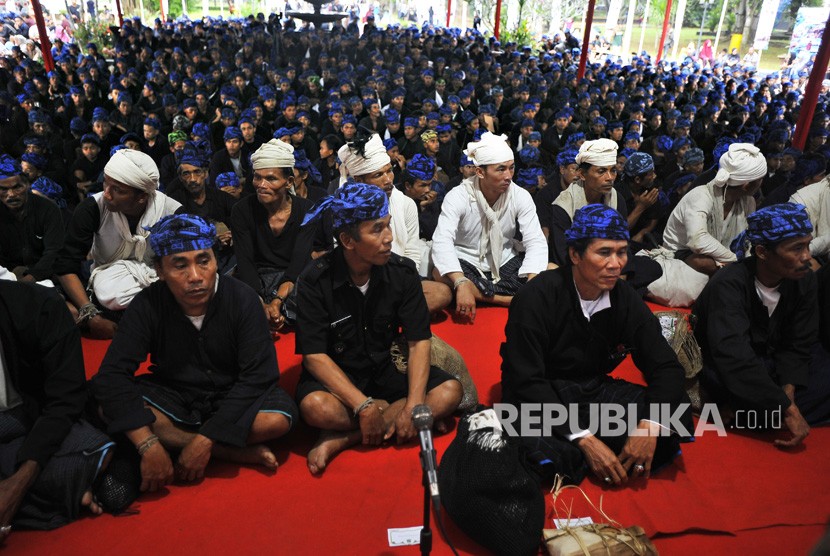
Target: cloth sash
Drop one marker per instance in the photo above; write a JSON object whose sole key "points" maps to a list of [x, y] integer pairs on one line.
{"points": [[491, 242]]}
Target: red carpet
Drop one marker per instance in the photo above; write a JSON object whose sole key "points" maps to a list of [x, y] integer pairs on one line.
{"points": [[724, 495]]}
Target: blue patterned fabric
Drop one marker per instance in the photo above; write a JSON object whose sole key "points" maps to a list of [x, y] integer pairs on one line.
{"points": [[693, 156], [389, 144], [663, 143], [530, 155], [9, 167], [528, 178], [194, 154], [567, 157], [200, 130], [227, 179], [351, 204], [50, 189], [410, 122], [421, 167], [771, 225], [178, 233], [232, 132], [638, 164], [35, 160], [597, 221], [301, 162]]}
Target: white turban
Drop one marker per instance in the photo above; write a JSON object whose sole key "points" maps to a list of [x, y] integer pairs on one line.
{"points": [[492, 149], [133, 168], [742, 163], [601, 152], [273, 154], [373, 159]]}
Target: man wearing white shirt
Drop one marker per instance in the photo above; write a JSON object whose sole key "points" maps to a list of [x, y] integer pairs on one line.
{"points": [[474, 247]]}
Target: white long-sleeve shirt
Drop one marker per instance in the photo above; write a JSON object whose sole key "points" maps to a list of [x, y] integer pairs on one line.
{"points": [[694, 223], [406, 231], [459, 230], [816, 198]]}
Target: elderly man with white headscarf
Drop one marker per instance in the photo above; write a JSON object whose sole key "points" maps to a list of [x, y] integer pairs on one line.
{"points": [[366, 161], [270, 245], [474, 247], [112, 226], [703, 225]]}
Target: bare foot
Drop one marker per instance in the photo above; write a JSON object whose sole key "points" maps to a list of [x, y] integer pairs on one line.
{"points": [[328, 445], [88, 501], [257, 454]]}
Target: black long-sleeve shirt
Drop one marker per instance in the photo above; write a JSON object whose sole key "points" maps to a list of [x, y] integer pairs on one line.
{"points": [[256, 246], [232, 354], [42, 349], [33, 241], [548, 337], [736, 334]]}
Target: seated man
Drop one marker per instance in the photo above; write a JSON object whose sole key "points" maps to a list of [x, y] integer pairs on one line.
{"points": [[271, 246], [48, 458], [352, 302], [474, 247], [212, 389], [365, 160], [112, 226], [567, 330], [212, 204], [757, 325], [709, 217], [641, 195], [31, 227], [701, 227]]}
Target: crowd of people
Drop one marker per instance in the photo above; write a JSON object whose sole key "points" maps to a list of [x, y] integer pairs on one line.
{"points": [[218, 182]]}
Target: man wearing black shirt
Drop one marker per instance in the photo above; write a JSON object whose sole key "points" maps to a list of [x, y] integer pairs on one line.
{"points": [[352, 302], [212, 389], [31, 227]]}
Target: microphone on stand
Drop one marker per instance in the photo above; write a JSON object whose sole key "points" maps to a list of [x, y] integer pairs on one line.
{"points": [[422, 419]]}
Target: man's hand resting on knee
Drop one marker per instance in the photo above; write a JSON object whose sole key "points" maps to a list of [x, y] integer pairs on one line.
{"points": [[372, 425], [194, 458], [156, 468]]}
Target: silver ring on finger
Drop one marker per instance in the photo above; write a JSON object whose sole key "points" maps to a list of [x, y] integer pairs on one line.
{"points": [[607, 480], [639, 468], [5, 529]]}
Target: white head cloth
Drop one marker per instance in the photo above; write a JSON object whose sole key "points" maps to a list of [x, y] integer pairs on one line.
{"points": [[373, 159], [273, 154], [133, 168], [491, 149], [742, 163], [601, 152]]}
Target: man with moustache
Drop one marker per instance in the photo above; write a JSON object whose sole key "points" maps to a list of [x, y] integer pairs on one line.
{"points": [[212, 388], [757, 325], [567, 330]]}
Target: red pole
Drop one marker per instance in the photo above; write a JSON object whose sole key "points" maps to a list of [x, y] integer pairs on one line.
{"points": [[498, 19], [665, 30], [120, 15], [45, 44], [161, 9], [449, 6], [808, 103], [586, 38]]}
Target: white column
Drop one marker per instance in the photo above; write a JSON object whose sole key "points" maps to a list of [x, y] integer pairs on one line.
{"points": [[555, 16], [629, 28], [720, 27], [643, 29], [678, 26]]}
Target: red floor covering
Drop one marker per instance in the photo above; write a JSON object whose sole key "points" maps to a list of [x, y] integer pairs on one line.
{"points": [[734, 494]]}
